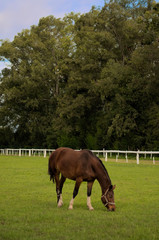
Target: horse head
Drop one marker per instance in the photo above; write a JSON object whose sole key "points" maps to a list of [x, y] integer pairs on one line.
{"points": [[108, 198]]}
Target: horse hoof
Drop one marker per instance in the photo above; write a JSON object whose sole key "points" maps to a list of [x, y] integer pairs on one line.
{"points": [[70, 208], [59, 205], [91, 209]]}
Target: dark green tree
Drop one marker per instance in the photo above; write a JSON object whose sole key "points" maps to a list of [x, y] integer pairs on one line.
{"points": [[84, 81], [29, 89]]}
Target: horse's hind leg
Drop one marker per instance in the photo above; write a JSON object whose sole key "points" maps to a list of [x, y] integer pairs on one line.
{"points": [[62, 180], [75, 192], [89, 191], [57, 186]]}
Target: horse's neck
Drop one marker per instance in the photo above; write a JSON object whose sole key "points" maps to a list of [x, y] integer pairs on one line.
{"points": [[104, 181]]}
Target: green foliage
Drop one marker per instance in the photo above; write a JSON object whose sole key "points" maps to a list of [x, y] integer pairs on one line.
{"points": [[84, 81], [65, 140]]}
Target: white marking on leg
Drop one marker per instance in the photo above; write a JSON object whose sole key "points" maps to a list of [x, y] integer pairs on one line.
{"points": [[89, 203], [71, 204], [60, 202]]}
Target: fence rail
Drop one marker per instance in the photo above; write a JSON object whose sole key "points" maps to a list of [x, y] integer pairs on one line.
{"points": [[44, 152], [26, 152]]}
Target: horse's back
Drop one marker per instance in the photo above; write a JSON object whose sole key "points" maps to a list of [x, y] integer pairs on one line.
{"points": [[73, 164]]}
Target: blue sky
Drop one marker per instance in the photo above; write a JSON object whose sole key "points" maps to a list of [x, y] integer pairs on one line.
{"points": [[16, 15]]}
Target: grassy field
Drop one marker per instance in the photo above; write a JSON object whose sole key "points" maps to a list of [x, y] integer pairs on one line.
{"points": [[28, 207]]}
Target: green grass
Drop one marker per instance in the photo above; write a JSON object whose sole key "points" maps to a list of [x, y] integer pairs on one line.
{"points": [[28, 208]]}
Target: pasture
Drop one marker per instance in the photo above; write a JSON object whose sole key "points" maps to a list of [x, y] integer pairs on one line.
{"points": [[28, 209]]}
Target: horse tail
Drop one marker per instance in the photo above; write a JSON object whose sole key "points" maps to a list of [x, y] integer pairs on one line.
{"points": [[51, 170]]}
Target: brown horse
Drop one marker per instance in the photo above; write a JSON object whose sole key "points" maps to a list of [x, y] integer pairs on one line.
{"points": [[80, 166]]}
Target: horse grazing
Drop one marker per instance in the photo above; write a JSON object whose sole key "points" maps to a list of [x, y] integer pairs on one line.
{"points": [[80, 166]]}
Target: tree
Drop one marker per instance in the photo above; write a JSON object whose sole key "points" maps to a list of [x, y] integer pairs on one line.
{"points": [[86, 81], [29, 89], [123, 86]]}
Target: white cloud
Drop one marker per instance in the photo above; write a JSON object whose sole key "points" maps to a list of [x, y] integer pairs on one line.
{"points": [[4, 64], [16, 15], [19, 15], [62, 7]]}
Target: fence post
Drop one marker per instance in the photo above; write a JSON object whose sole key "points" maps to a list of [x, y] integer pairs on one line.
{"points": [[103, 152], [145, 155], [106, 156], [137, 157], [29, 152], [126, 156], [20, 153], [45, 153]]}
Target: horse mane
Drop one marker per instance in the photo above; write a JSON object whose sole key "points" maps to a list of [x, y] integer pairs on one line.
{"points": [[100, 161], [101, 164]]}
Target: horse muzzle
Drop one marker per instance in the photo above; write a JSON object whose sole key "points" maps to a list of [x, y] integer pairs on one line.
{"points": [[111, 208]]}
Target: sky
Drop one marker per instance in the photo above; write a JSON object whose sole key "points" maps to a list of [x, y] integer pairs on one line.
{"points": [[16, 15]]}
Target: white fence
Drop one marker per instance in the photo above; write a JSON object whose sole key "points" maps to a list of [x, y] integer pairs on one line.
{"points": [[26, 152], [105, 153]]}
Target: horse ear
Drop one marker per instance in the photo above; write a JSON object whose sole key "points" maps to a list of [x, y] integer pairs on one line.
{"points": [[112, 187]]}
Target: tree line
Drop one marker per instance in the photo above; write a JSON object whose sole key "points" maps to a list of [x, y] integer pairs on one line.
{"points": [[85, 81]]}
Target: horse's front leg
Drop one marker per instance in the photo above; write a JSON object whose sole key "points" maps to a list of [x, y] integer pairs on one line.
{"points": [[89, 191], [75, 192], [62, 180]]}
